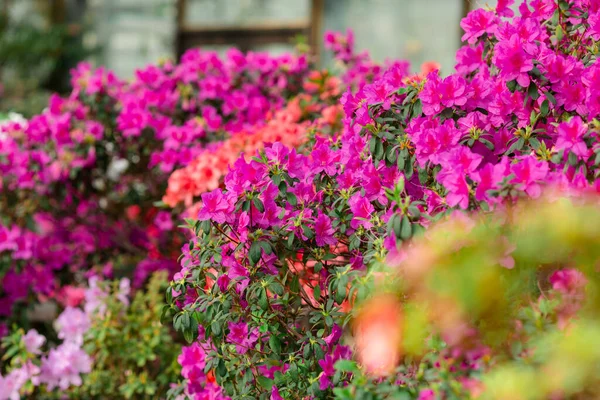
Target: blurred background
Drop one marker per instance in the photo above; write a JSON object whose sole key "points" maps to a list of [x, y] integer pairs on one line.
{"points": [[41, 40]]}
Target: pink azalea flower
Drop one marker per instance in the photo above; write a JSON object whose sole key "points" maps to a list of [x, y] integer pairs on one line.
{"points": [[528, 173], [240, 335], [478, 23], [570, 137], [215, 206], [63, 366], [33, 341], [503, 8], [513, 61], [362, 210], [324, 232], [72, 324]]}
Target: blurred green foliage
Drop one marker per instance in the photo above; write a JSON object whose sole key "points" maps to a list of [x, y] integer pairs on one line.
{"points": [[135, 356], [35, 61], [535, 324]]}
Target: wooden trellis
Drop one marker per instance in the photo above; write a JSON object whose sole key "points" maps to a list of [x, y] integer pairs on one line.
{"points": [[247, 36]]}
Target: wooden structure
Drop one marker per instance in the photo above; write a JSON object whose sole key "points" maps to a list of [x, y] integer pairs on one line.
{"points": [[247, 36]]}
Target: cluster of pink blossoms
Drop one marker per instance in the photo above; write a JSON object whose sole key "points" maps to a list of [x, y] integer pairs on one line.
{"points": [[60, 367], [516, 117], [79, 181]]}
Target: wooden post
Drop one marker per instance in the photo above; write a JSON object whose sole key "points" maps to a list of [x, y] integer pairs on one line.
{"points": [[316, 27], [179, 23], [466, 8], [57, 12]]}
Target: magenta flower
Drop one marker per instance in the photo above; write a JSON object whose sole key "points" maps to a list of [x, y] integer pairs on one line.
{"points": [[461, 160], [439, 94], [558, 68], [324, 232], [469, 59], [275, 394], [426, 394], [513, 61], [570, 137], [215, 206], [571, 95], [240, 335], [163, 221], [528, 172], [568, 281], [8, 238], [324, 159], [190, 357], [594, 29], [503, 8], [11, 384], [458, 189], [379, 92], [362, 210], [453, 90], [328, 365], [478, 23], [542, 9]]}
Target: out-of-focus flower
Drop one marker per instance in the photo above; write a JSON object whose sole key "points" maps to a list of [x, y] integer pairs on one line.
{"points": [[378, 335]]}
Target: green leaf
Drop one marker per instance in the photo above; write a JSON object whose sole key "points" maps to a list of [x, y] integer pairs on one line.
{"points": [[215, 328], [535, 143], [290, 240], [188, 336], [340, 294], [545, 108], [275, 344], [397, 224], [265, 382], [291, 198], [417, 109], [259, 204], [276, 179], [295, 284], [532, 91], [409, 168], [255, 252], [378, 155], [487, 143], [266, 246], [307, 232], [343, 393], [372, 145], [262, 299], [346, 366], [406, 229], [550, 97]]}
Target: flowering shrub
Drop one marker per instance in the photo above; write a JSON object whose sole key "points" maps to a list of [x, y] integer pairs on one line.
{"points": [[114, 347], [81, 186], [281, 254], [79, 181], [533, 336]]}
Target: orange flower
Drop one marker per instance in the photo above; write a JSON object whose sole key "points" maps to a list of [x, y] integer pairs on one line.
{"points": [[378, 334], [205, 172], [429, 66]]}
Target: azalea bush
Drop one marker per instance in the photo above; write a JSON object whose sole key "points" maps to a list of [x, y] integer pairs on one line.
{"points": [[112, 346], [82, 186], [292, 241], [81, 181]]}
